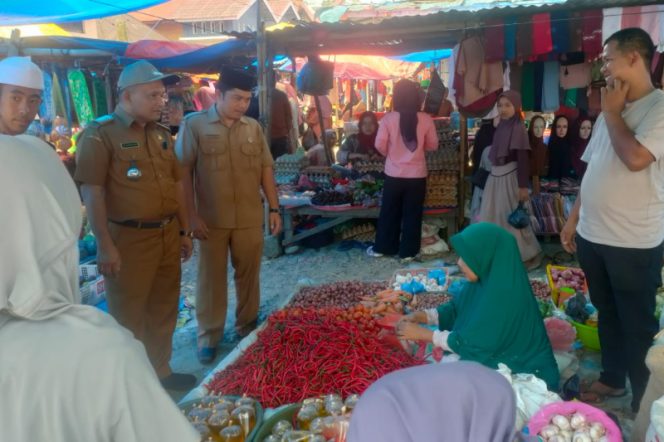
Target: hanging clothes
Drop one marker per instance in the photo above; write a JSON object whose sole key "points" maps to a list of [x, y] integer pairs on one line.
{"points": [[571, 96], [101, 103], [451, 78], [631, 17], [550, 95], [576, 32], [539, 86], [494, 35], [560, 31], [651, 22], [592, 32], [510, 38], [80, 96], [611, 22], [528, 86], [47, 107], [516, 74], [477, 83], [575, 76], [58, 97], [541, 33], [524, 40]]}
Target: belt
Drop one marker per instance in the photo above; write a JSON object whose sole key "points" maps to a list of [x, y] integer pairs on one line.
{"points": [[145, 224]]}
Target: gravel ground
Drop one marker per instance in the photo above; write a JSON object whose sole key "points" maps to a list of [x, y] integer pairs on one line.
{"points": [[283, 276]]}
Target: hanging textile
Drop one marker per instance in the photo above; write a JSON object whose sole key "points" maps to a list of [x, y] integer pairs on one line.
{"points": [[99, 91], [611, 22], [80, 96], [575, 76], [528, 86], [541, 34], [524, 39], [47, 107], [510, 38], [58, 97], [576, 32], [539, 86], [592, 32], [550, 94], [560, 31], [494, 35], [571, 97], [516, 74], [631, 17]]}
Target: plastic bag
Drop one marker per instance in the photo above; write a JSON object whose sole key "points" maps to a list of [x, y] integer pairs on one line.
{"points": [[561, 333], [531, 394], [520, 218]]}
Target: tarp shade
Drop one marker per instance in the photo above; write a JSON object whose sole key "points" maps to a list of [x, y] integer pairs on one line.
{"points": [[425, 56], [159, 49], [24, 12], [345, 71], [58, 42]]}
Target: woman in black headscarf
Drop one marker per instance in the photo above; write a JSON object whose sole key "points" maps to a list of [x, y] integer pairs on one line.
{"points": [[560, 149], [403, 137]]}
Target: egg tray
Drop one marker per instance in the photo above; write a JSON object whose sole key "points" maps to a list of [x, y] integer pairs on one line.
{"points": [[369, 166]]}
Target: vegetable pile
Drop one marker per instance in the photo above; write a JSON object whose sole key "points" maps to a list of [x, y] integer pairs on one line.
{"points": [[575, 428], [339, 294], [541, 289], [302, 353], [570, 277]]}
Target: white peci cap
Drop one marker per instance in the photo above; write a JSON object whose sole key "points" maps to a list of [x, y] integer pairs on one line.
{"points": [[21, 71]]}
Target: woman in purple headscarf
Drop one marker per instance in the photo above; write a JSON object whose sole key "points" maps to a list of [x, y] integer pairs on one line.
{"points": [[461, 401], [508, 183], [403, 137]]}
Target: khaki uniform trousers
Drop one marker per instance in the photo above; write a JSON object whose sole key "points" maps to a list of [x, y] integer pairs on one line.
{"points": [[144, 297], [246, 250]]}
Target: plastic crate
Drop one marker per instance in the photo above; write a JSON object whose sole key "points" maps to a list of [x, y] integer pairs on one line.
{"points": [[554, 289]]}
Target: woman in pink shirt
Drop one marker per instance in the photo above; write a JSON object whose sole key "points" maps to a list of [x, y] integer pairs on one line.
{"points": [[403, 137]]}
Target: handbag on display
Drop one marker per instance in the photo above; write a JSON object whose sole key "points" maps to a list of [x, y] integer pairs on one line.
{"points": [[520, 218]]}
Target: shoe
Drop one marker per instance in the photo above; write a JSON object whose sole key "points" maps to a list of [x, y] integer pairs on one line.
{"points": [[371, 253], [206, 355], [179, 382], [246, 330]]}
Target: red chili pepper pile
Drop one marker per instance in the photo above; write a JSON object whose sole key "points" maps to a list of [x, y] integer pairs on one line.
{"points": [[303, 353]]}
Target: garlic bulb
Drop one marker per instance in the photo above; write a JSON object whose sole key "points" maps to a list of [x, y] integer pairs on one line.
{"points": [[578, 421], [561, 422], [581, 436], [597, 430], [603, 439], [556, 438], [566, 435], [549, 431]]}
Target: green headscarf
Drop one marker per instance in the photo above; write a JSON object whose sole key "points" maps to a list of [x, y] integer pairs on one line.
{"points": [[497, 320]]}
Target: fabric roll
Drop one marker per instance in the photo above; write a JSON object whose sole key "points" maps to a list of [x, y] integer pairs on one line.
{"points": [[510, 38], [541, 33], [550, 95], [539, 86], [528, 86], [494, 32], [560, 31]]}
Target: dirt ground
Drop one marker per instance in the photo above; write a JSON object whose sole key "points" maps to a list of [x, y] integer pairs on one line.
{"points": [[281, 277]]}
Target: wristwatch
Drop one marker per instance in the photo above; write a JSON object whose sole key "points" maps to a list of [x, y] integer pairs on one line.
{"points": [[187, 234], [274, 210]]}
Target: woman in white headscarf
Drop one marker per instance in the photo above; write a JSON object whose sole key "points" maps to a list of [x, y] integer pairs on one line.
{"points": [[68, 372]]}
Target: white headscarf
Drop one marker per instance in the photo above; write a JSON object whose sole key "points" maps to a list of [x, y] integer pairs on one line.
{"points": [[40, 224]]}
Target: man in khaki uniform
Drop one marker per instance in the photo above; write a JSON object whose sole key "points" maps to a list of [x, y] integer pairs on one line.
{"points": [[131, 186], [226, 161]]}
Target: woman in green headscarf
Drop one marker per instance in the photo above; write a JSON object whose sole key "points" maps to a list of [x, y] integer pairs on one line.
{"points": [[495, 319]]}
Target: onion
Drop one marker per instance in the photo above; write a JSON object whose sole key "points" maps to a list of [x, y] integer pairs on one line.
{"points": [[549, 431], [561, 422], [578, 421], [597, 430]]}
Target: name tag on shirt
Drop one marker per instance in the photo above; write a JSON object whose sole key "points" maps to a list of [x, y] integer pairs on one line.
{"points": [[130, 145]]}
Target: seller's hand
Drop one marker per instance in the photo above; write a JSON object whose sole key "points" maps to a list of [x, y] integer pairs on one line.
{"points": [[199, 227], [108, 260], [568, 236], [413, 332], [276, 224], [415, 317], [614, 97], [186, 248], [524, 196]]}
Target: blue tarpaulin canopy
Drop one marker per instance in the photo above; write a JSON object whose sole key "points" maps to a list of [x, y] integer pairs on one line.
{"points": [[23, 12], [425, 56]]}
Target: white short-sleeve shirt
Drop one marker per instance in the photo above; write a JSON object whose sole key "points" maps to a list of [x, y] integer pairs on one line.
{"points": [[621, 208]]}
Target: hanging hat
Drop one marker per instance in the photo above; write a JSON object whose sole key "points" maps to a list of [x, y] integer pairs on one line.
{"points": [[143, 72], [237, 79], [21, 71]]}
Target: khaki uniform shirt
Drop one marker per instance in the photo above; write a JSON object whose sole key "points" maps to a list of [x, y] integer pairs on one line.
{"points": [[228, 165], [109, 146]]}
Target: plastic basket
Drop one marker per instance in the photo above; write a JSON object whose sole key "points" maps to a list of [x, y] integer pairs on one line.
{"points": [[287, 412], [588, 335], [554, 289], [187, 406], [544, 416]]}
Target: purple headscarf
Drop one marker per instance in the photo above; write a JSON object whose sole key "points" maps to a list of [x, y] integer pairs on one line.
{"points": [[459, 401], [510, 134]]}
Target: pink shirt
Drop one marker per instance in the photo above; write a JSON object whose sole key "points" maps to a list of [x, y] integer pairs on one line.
{"points": [[401, 162]]}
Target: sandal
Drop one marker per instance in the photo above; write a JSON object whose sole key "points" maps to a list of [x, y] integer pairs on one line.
{"points": [[597, 392]]}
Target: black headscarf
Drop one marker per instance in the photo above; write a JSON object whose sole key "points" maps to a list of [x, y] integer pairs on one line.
{"points": [[407, 103], [560, 151]]}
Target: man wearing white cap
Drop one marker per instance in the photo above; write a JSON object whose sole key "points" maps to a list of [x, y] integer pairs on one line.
{"points": [[131, 187], [21, 86]]}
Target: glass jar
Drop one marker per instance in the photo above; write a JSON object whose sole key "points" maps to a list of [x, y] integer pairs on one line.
{"points": [[245, 417], [306, 414], [233, 433], [219, 420]]}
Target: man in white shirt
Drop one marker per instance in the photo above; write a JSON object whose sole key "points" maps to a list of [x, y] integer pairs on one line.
{"points": [[617, 225]]}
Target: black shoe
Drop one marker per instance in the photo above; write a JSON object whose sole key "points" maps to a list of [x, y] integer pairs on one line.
{"points": [[179, 381], [246, 330]]}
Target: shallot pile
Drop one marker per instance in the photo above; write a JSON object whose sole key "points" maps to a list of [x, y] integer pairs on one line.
{"points": [[344, 294], [570, 277], [541, 289], [574, 428]]}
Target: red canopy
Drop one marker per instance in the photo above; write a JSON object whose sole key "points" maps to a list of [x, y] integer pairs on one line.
{"points": [[346, 71]]}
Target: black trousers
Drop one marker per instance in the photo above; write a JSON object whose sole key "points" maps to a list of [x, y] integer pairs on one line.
{"points": [[279, 147], [622, 284], [400, 220]]}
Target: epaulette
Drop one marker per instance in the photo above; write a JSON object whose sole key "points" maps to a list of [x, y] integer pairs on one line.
{"points": [[163, 126], [101, 121]]}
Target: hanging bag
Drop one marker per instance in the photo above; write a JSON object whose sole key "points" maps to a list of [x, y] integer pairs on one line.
{"points": [[520, 218]]}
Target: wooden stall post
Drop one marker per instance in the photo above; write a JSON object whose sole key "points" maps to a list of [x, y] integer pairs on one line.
{"points": [[463, 150], [328, 148]]}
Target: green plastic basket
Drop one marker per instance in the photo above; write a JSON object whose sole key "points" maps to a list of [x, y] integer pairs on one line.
{"points": [[186, 407], [588, 335], [287, 412]]}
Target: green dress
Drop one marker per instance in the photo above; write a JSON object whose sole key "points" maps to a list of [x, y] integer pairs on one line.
{"points": [[497, 320]]}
